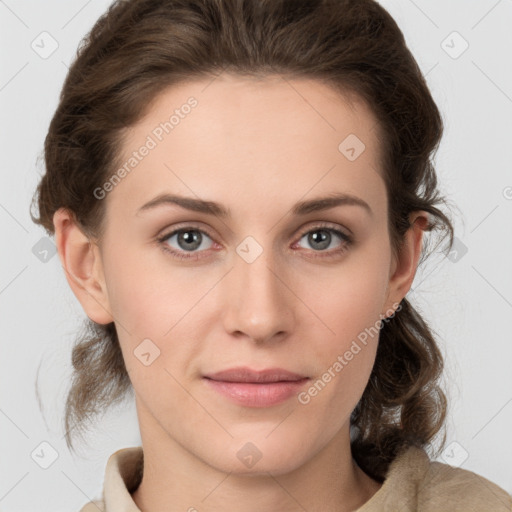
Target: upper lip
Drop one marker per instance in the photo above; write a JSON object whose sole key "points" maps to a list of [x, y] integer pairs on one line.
{"points": [[244, 374]]}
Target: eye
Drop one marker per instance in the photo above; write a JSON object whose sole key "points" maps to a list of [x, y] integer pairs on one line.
{"points": [[191, 242], [187, 240], [321, 237]]}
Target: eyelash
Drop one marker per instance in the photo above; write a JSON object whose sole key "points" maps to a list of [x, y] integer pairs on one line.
{"points": [[347, 241]]}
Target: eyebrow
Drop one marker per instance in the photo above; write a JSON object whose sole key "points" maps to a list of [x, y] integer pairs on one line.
{"points": [[216, 209]]}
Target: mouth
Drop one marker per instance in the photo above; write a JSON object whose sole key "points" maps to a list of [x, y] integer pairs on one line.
{"points": [[256, 388], [244, 374]]}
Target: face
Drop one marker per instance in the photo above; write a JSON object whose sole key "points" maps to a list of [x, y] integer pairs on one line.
{"points": [[271, 283]]}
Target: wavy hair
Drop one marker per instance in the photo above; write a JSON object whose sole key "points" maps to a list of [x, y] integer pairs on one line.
{"points": [[137, 48]]}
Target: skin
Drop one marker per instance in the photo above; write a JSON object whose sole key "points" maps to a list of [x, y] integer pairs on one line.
{"points": [[257, 147]]}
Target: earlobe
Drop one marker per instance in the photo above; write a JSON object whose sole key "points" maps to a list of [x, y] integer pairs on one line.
{"points": [[406, 262], [82, 265]]}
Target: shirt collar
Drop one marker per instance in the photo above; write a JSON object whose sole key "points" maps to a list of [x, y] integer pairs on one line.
{"points": [[123, 474], [124, 469]]}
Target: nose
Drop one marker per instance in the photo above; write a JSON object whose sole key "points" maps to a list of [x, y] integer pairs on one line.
{"points": [[259, 304]]}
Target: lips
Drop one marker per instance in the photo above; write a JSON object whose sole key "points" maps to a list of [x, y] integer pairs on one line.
{"points": [[244, 374], [256, 388]]}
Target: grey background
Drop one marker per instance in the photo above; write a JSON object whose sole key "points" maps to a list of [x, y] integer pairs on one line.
{"points": [[467, 298]]}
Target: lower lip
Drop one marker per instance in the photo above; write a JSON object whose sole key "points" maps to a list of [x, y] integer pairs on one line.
{"points": [[257, 395]]}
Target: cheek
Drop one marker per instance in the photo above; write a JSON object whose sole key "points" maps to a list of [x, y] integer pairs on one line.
{"points": [[349, 303], [147, 304], [344, 357], [152, 301], [350, 298], [144, 298]]}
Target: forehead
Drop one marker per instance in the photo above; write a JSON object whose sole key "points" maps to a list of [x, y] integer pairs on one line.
{"points": [[258, 136], [254, 106]]}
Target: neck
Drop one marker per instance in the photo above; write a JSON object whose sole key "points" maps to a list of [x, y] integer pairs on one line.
{"points": [[176, 479]]}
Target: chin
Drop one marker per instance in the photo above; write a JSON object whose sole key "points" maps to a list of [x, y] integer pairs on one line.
{"points": [[258, 455]]}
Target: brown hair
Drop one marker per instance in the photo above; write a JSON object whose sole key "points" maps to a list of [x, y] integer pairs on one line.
{"points": [[138, 48]]}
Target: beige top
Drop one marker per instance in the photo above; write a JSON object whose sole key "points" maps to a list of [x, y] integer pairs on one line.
{"points": [[413, 483]]}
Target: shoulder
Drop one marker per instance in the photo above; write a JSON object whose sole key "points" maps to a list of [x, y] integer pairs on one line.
{"points": [[439, 486], [94, 506], [460, 489], [415, 483], [123, 473]]}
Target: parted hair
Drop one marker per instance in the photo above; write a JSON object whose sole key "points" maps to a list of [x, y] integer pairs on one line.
{"points": [[138, 48]]}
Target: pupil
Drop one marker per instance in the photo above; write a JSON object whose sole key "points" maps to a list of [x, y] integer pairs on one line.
{"points": [[189, 238], [323, 239]]}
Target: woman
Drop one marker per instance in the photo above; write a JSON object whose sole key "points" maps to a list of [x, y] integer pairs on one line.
{"points": [[272, 368]]}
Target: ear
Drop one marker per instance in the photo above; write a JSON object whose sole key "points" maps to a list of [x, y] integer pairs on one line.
{"points": [[81, 261], [405, 264]]}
